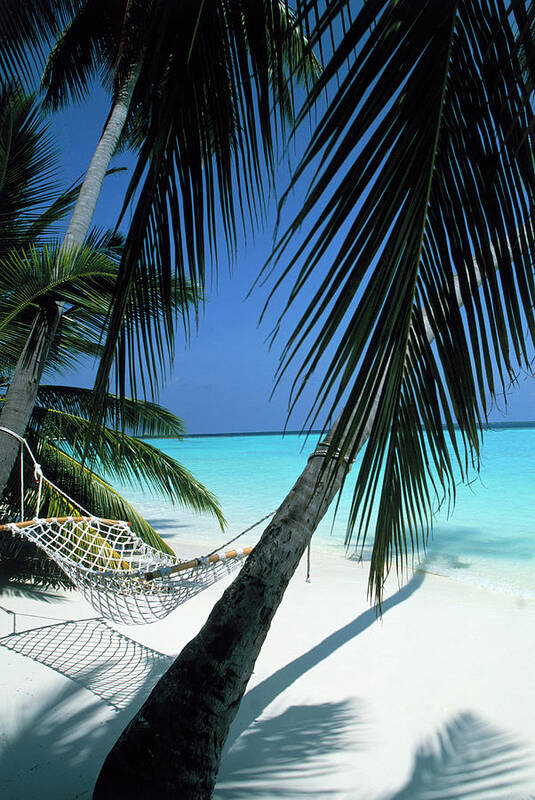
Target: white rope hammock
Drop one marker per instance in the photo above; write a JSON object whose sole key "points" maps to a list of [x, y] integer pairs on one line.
{"points": [[124, 579]]}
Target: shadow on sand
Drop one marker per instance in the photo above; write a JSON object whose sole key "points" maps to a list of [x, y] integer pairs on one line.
{"points": [[275, 755], [467, 758], [65, 739], [258, 699], [261, 752], [90, 652], [55, 749]]}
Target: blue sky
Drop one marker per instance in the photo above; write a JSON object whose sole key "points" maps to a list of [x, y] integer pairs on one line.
{"points": [[223, 377]]}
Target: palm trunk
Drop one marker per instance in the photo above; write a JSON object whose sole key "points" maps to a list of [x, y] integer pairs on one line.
{"points": [[172, 748], [20, 398], [84, 209]]}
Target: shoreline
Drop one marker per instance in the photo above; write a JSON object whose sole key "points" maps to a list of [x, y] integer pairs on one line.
{"points": [[437, 695]]}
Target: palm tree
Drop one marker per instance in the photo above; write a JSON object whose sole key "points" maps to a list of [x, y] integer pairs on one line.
{"points": [[57, 432], [33, 276], [31, 203], [60, 426], [423, 194], [193, 88]]}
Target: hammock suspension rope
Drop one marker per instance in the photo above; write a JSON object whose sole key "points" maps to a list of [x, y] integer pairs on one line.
{"points": [[124, 578]]}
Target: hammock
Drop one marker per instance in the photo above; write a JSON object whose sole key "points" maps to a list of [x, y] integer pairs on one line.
{"points": [[124, 579]]}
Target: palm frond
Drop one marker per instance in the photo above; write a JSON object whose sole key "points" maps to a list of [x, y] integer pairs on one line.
{"points": [[57, 435], [29, 188], [75, 342], [423, 187], [137, 417], [86, 489], [84, 282], [126, 459], [45, 224], [38, 276], [27, 31], [21, 562], [208, 87], [86, 48], [90, 491]]}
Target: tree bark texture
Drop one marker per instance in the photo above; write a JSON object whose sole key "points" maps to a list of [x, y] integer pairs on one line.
{"points": [[84, 209], [20, 397]]}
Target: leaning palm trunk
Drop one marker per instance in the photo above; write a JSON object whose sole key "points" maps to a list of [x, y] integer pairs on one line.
{"points": [[172, 748], [96, 172], [22, 392]]}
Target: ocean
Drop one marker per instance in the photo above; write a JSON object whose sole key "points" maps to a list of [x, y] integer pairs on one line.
{"points": [[488, 539]]}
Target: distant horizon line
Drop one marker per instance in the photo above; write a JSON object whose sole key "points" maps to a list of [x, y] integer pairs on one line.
{"points": [[489, 427]]}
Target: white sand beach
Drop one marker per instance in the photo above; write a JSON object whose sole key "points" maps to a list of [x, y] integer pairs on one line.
{"points": [[435, 700]]}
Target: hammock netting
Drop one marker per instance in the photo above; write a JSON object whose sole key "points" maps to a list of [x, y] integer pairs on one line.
{"points": [[124, 579]]}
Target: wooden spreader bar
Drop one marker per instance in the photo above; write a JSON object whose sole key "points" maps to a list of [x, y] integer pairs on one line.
{"points": [[149, 576], [197, 562]]}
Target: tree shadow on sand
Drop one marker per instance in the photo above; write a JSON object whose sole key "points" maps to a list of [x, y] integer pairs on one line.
{"points": [[59, 746], [275, 755], [257, 699], [467, 759], [14, 588]]}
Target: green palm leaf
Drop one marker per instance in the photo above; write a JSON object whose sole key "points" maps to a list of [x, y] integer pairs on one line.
{"points": [[84, 281], [63, 415], [423, 187], [31, 202], [90, 491], [136, 417], [202, 117], [27, 30], [85, 50], [131, 461]]}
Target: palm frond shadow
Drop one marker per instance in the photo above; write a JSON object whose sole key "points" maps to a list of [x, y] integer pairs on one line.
{"points": [[288, 747], [258, 698], [90, 652], [468, 758], [66, 736], [19, 588]]}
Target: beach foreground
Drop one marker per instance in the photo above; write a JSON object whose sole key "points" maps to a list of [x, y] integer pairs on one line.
{"points": [[436, 700]]}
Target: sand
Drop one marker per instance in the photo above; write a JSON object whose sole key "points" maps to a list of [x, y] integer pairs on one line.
{"points": [[435, 700]]}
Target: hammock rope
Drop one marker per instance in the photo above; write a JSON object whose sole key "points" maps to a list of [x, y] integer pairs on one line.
{"points": [[124, 578]]}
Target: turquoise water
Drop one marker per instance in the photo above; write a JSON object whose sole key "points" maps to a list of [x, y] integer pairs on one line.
{"points": [[488, 540]]}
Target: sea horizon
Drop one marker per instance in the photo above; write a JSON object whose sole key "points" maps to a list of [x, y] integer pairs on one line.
{"points": [[487, 540], [305, 432]]}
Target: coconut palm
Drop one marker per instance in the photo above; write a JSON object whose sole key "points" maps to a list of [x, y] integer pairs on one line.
{"points": [[61, 415], [34, 275], [26, 29], [194, 88], [59, 426], [57, 432], [423, 194]]}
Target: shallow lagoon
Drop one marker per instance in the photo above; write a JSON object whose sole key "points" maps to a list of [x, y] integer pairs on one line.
{"points": [[488, 539]]}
